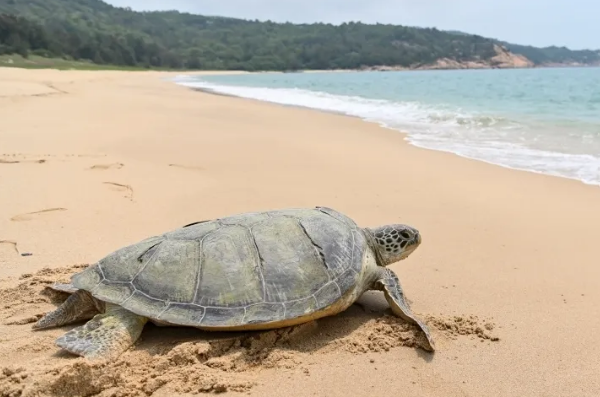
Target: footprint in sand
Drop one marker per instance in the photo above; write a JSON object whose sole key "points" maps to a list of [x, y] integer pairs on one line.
{"points": [[30, 215], [16, 158], [113, 166], [4, 161], [187, 167], [122, 188], [14, 244]]}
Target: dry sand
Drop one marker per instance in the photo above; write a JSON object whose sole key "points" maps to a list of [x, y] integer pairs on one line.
{"points": [[507, 275]]}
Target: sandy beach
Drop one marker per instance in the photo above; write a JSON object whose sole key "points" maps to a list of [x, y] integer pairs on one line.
{"points": [[507, 275]]}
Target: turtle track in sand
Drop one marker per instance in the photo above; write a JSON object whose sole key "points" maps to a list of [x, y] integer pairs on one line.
{"points": [[184, 360], [30, 215]]}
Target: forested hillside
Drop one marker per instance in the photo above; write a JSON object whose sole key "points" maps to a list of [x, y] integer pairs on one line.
{"points": [[555, 55], [93, 30]]}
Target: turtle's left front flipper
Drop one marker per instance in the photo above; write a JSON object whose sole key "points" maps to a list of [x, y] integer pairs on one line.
{"points": [[78, 306], [390, 285], [105, 336]]}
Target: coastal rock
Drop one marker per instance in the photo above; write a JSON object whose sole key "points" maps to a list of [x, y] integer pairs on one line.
{"points": [[384, 68], [504, 59]]}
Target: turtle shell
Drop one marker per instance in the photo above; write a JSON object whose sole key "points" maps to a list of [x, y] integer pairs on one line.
{"points": [[250, 268]]}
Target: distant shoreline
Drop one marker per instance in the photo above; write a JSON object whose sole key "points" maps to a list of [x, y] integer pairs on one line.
{"points": [[377, 69], [403, 69], [41, 63]]}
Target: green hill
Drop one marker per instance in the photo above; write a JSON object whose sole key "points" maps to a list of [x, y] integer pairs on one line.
{"points": [[555, 55], [92, 30]]}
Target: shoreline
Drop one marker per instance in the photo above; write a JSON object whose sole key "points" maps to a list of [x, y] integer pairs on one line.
{"points": [[380, 68], [405, 134], [114, 158], [425, 69]]}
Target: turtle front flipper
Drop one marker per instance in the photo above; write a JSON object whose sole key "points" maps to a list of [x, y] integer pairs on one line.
{"points": [[390, 285], [79, 306], [106, 336]]}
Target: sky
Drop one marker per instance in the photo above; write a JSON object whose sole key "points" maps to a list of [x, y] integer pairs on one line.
{"points": [[570, 23]]}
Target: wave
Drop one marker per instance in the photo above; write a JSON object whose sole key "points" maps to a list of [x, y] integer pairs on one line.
{"points": [[494, 139]]}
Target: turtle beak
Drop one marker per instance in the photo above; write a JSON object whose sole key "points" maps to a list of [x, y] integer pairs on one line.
{"points": [[418, 239]]}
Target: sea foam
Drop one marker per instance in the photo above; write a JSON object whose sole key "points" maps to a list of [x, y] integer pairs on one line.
{"points": [[492, 139]]}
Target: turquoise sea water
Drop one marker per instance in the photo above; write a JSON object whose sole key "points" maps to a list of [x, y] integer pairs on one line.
{"points": [[540, 120]]}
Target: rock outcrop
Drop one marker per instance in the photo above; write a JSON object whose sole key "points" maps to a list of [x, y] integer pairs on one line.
{"points": [[504, 59]]}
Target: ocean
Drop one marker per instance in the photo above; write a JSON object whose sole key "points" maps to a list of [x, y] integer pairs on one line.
{"points": [[539, 120]]}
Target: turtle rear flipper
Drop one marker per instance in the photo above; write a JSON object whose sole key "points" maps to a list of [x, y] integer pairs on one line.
{"points": [[105, 336], [79, 306]]}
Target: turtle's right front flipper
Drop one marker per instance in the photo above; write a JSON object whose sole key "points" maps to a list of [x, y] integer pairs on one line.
{"points": [[105, 336], [390, 285]]}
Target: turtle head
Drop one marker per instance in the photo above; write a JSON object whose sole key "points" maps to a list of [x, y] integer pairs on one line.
{"points": [[394, 243]]}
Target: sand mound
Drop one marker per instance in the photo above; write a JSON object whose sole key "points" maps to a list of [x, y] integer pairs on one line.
{"points": [[184, 360], [31, 293], [455, 326]]}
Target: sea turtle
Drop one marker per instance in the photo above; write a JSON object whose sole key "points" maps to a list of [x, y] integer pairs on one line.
{"points": [[251, 271]]}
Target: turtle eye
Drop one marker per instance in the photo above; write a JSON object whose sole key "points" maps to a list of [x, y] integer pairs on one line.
{"points": [[405, 235]]}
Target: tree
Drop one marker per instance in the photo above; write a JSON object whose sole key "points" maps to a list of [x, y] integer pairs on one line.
{"points": [[94, 30]]}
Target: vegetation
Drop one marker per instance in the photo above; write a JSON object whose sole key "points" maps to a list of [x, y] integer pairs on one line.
{"points": [[40, 62], [548, 55], [95, 32], [555, 55]]}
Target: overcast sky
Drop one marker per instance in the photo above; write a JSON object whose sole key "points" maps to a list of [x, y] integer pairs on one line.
{"points": [[571, 23]]}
